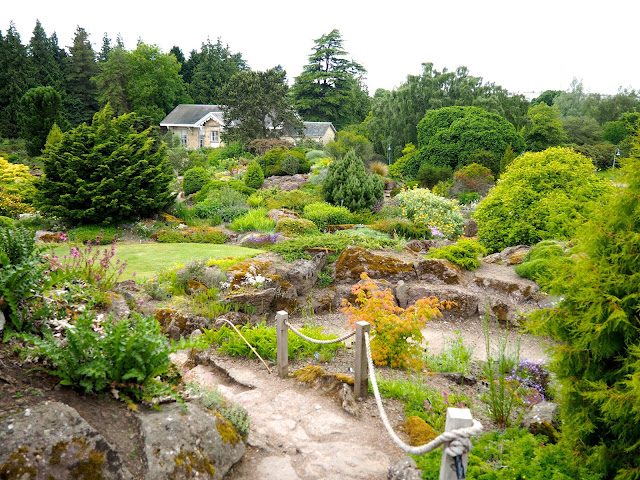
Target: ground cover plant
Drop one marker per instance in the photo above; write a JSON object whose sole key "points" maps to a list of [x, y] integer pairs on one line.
{"points": [[463, 253]]}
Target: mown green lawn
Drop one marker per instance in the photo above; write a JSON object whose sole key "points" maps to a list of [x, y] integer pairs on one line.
{"points": [[148, 259]]}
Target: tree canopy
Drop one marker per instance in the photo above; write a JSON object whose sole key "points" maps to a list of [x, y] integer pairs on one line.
{"points": [[330, 87], [545, 128], [256, 105], [449, 136], [40, 109]]}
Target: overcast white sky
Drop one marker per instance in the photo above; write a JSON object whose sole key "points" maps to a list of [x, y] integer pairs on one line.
{"points": [[522, 46]]}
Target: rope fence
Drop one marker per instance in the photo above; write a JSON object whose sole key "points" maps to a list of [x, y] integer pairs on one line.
{"points": [[459, 425]]}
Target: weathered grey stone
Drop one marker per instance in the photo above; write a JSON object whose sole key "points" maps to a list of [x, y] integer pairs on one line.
{"points": [[505, 281], [322, 300], [285, 182], [540, 413], [2, 321], [303, 274], [51, 440], [460, 378], [348, 400], [277, 214], [185, 445], [466, 301], [117, 305], [438, 270], [503, 256], [421, 246], [260, 299], [275, 468], [378, 264], [470, 227], [404, 469]]}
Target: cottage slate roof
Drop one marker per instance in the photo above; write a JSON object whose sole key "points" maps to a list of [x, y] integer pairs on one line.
{"points": [[317, 129], [191, 115]]}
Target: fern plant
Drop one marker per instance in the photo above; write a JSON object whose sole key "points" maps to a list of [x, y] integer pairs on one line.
{"points": [[125, 354]]}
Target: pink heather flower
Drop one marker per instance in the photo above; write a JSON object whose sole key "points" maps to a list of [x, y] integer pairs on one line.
{"points": [[435, 232], [90, 261], [75, 253]]}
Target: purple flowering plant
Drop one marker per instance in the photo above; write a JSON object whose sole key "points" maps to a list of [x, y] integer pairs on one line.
{"points": [[533, 381], [95, 266]]}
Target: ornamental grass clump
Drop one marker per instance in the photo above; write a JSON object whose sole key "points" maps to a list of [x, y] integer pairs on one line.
{"points": [[423, 207], [396, 332]]}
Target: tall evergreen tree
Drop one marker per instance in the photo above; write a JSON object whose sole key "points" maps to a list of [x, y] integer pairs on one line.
{"points": [[176, 52], [106, 172], [81, 100], [330, 87], [15, 80], [215, 68], [597, 325], [45, 60], [106, 48], [40, 109]]}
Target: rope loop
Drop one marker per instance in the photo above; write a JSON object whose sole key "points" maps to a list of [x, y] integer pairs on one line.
{"points": [[458, 439], [319, 342]]}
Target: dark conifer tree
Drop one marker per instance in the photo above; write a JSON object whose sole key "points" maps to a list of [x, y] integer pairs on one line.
{"points": [[81, 100], [15, 80]]}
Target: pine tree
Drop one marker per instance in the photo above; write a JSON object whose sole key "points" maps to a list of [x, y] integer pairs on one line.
{"points": [[46, 60], [15, 80], [40, 109], [330, 86], [106, 172], [348, 184], [598, 324], [81, 100]]}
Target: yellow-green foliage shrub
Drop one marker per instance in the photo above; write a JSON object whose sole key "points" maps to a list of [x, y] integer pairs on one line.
{"points": [[423, 207], [323, 214], [296, 227]]}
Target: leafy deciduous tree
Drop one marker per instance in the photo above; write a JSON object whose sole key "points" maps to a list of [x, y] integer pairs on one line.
{"points": [[256, 105], [545, 129]]}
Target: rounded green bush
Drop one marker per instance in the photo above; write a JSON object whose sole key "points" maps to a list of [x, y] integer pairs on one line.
{"points": [[6, 222], [323, 214], [541, 195], [254, 177], [296, 227], [194, 179]]}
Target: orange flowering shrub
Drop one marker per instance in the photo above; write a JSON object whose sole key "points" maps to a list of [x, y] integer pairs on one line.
{"points": [[395, 332]]}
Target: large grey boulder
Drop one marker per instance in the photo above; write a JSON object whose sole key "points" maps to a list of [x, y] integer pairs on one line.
{"points": [[540, 413], [506, 281], [301, 273], [189, 445], [51, 440], [438, 270], [378, 264], [466, 301], [404, 469]]}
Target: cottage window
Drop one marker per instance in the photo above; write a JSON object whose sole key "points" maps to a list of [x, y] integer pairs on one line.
{"points": [[215, 137], [201, 141], [183, 138]]}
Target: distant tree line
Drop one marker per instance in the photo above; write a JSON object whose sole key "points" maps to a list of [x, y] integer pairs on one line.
{"points": [[42, 84]]}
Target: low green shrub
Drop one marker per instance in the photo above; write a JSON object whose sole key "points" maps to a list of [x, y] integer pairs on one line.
{"points": [[430, 175], [6, 222], [226, 202], [542, 262], [290, 165], [295, 200], [126, 354], [468, 197], [312, 155], [296, 227], [402, 228], [194, 179], [212, 185], [472, 178], [463, 253], [253, 220], [191, 235], [323, 214], [296, 248], [514, 454], [95, 234], [263, 339], [454, 357]]}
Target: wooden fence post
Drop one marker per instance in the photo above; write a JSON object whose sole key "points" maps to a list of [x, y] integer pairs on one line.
{"points": [[456, 418], [361, 385], [282, 342]]}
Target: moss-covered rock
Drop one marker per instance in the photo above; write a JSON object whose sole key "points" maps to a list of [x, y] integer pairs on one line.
{"points": [[388, 265]]}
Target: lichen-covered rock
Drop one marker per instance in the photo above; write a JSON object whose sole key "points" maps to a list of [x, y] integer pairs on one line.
{"points": [[277, 214], [438, 270], [421, 246], [285, 182], [466, 301], [303, 274], [286, 297], [195, 444], [505, 281], [503, 257], [540, 413], [178, 324], [259, 301], [388, 265], [51, 440], [404, 469], [470, 227]]}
